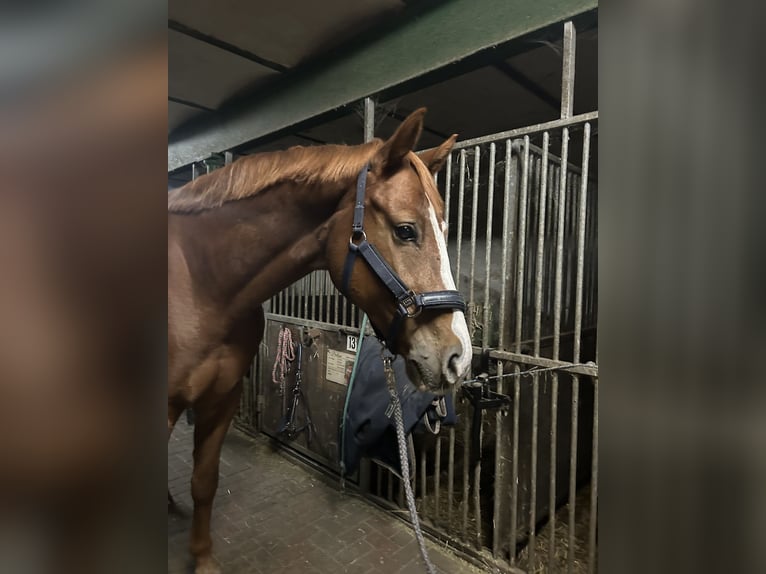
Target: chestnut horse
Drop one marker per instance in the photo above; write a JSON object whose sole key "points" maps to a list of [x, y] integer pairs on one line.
{"points": [[239, 235]]}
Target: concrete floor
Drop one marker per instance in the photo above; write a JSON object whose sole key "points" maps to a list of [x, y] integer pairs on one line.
{"points": [[274, 516]]}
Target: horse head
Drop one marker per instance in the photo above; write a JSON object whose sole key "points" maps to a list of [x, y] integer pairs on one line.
{"points": [[401, 223]]}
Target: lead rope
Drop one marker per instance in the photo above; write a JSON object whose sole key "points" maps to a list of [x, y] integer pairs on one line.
{"points": [[403, 458], [285, 353]]}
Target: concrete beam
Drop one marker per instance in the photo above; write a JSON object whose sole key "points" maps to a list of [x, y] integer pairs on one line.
{"points": [[444, 34]]}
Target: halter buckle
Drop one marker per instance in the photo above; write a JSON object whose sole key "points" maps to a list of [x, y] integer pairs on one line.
{"points": [[407, 302]]}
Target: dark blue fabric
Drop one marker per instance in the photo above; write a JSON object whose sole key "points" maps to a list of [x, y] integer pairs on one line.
{"points": [[368, 431]]}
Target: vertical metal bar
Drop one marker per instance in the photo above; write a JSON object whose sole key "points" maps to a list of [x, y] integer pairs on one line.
{"points": [[437, 475], [447, 188], [562, 199], [288, 300], [498, 482], [326, 295], [450, 473], [552, 493], [312, 277], [460, 198], [488, 247], [477, 494], [533, 474], [423, 480], [228, 157], [369, 119], [466, 479], [522, 243], [541, 205], [515, 463], [195, 170], [304, 291], [506, 239], [474, 222], [593, 484], [568, 71], [573, 471], [390, 485], [581, 243], [550, 244], [335, 308]]}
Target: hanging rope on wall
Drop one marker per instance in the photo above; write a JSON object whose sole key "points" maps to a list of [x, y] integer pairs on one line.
{"points": [[284, 356]]}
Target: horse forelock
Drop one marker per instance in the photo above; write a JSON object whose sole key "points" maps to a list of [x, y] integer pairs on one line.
{"points": [[253, 174], [428, 183]]}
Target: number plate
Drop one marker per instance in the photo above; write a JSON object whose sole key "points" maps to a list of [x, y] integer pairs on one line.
{"points": [[351, 343]]}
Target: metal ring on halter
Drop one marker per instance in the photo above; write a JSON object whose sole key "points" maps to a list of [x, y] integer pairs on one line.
{"points": [[410, 301], [356, 234]]}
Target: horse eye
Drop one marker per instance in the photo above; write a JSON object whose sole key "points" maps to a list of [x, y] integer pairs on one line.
{"points": [[406, 232]]}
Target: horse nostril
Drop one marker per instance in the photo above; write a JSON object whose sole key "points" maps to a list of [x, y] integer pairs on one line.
{"points": [[452, 364]]}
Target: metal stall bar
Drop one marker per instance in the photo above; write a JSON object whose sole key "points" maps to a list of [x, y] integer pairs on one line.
{"points": [[336, 306], [573, 471], [450, 473], [552, 478], [568, 71], [582, 214], [497, 506], [560, 244], [466, 480], [522, 243], [515, 462], [488, 246], [474, 224], [507, 231], [533, 474], [437, 475], [593, 484], [541, 209], [460, 198], [423, 477], [559, 255], [541, 203]]}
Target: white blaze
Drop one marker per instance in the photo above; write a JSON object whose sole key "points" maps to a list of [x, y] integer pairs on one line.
{"points": [[459, 326]]}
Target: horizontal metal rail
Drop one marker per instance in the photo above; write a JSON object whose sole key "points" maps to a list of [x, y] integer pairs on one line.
{"points": [[519, 132], [566, 366]]}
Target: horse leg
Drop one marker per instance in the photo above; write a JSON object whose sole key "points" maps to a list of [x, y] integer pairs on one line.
{"points": [[209, 431], [174, 411]]}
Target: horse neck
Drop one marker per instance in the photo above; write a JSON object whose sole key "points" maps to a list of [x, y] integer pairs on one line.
{"points": [[242, 253]]}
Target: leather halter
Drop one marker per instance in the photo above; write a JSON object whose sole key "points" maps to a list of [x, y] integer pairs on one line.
{"points": [[408, 303]]}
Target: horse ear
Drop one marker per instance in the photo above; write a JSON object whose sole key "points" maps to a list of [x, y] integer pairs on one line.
{"points": [[435, 158], [403, 141]]}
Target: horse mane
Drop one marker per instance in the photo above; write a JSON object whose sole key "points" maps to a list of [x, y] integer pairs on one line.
{"points": [[253, 174]]}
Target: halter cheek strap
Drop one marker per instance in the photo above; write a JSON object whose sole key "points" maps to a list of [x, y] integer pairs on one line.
{"points": [[408, 302]]}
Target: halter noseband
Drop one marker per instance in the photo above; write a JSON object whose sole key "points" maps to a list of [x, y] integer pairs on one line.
{"points": [[408, 302]]}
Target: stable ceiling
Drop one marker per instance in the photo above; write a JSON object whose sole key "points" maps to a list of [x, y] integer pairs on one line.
{"points": [[225, 52]]}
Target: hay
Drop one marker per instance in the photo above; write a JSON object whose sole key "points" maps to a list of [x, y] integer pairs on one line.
{"points": [[561, 549]]}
